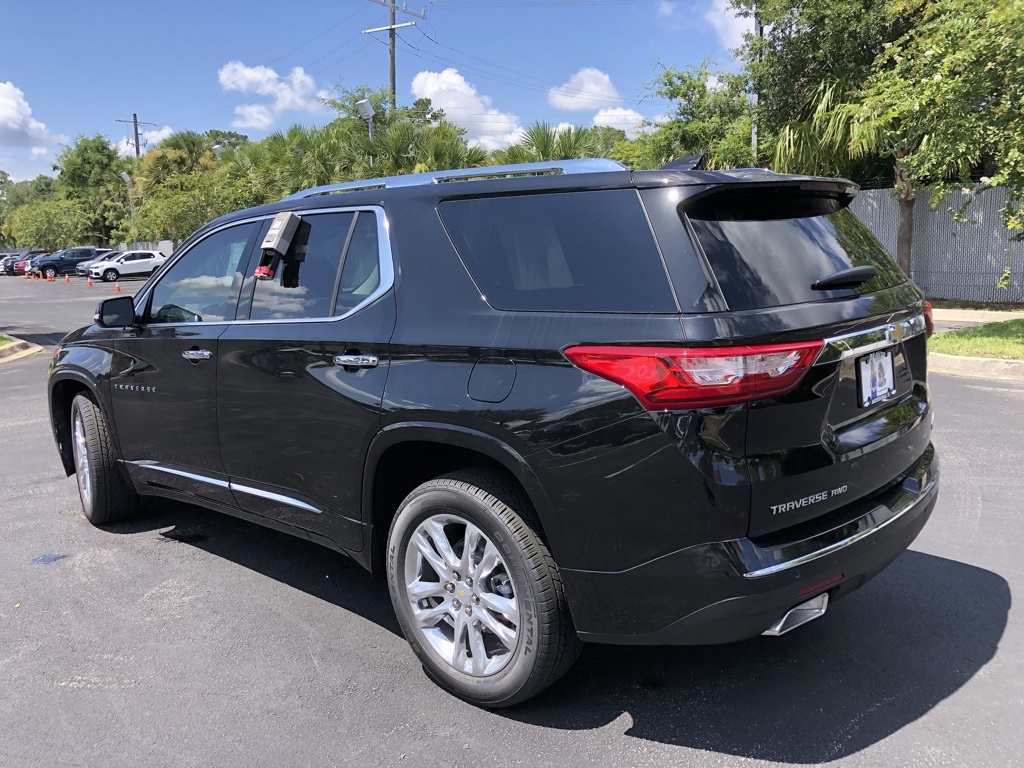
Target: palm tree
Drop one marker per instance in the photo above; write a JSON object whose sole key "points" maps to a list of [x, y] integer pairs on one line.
{"points": [[543, 141], [837, 133]]}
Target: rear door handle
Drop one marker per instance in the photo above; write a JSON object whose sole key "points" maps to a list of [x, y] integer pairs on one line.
{"points": [[196, 354], [356, 361]]}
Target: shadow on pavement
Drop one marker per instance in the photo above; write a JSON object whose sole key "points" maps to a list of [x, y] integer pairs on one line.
{"points": [[880, 659], [311, 568]]}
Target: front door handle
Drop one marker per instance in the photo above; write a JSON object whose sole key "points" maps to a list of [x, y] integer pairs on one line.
{"points": [[356, 361], [196, 354]]}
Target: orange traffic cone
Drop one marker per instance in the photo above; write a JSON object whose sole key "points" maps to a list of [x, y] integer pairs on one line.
{"points": [[117, 287], [88, 282], [67, 278], [50, 279]]}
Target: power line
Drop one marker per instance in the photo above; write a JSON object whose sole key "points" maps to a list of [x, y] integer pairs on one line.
{"points": [[317, 36], [135, 124]]}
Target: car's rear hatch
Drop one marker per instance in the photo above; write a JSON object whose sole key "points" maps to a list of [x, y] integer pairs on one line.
{"points": [[788, 263]]}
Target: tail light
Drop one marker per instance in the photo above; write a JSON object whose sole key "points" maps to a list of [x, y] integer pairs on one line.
{"points": [[929, 323], [665, 378]]}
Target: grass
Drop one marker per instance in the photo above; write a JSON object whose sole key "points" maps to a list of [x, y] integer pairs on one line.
{"points": [[1003, 340], [4, 340], [996, 305]]}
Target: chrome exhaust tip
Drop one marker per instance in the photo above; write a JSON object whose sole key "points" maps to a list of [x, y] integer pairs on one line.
{"points": [[797, 617]]}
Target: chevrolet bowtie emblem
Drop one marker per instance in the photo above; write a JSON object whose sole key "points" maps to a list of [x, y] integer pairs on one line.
{"points": [[895, 333]]}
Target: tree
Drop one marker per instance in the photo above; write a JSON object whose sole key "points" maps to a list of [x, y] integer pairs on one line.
{"points": [[227, 139], [954, 86], [51, 224], [939, 100], [711, 116], [607, 138], [543, 141], [805, 43], [88, 170]]}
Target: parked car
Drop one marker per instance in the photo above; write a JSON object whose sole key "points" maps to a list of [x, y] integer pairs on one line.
{"points": [[82, 269], [548, 403], [129, 264], [8, 260], [24, 265], [61, 262]]}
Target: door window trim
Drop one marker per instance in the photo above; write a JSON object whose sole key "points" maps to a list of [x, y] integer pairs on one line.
{"points": [[385, 260], [142, 300]]}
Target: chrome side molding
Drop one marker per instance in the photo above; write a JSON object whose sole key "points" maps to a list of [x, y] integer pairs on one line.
{"points": [[227, 484]]}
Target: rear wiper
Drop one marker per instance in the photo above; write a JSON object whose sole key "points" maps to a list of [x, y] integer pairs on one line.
{"points": [[845, 278]]}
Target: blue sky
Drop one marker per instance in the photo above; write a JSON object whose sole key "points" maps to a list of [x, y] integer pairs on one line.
{"points": [[69, 68]]}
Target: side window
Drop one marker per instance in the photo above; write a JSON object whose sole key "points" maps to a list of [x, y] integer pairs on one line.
{"points": [[305, 281], [361, 274], [203, 285]]}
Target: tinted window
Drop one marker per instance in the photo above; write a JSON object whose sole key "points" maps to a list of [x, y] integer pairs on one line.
{"points": [[306, 278], [773, 262], [203, 285], [577, 252], [361, 274]]}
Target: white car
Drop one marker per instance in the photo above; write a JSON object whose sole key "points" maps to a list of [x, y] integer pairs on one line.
{"points": [[130, 263]]}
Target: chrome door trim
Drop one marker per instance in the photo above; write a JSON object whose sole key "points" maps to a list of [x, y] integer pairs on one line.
{"points": [[157, 467], [859, 343], [273, 497], [385, 259]]}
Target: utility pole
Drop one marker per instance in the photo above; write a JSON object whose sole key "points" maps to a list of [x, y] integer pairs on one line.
{"points": [[759, 31], [391, 27], [135, 125]]}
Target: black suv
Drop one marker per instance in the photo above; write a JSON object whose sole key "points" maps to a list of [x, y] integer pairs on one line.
{"points": [[63, 262], [549, 403]]}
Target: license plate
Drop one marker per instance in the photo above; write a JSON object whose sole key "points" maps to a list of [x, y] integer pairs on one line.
{"points": [[875, 378]]}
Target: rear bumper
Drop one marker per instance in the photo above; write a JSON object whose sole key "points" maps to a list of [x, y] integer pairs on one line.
{"points": [[726, 591]]}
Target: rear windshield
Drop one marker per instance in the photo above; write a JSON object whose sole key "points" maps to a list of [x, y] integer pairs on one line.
{"points": [[569, 252], [772, 257]]}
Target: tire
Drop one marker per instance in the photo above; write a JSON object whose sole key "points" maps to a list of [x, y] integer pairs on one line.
{"points": [[106, 493], [110, 276], [503, 601], [49, 272]]}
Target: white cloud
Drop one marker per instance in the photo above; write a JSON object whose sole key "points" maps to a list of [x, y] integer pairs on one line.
{"points": [[17, 126], [666, 8], [728, 26], [147, 140], [40, 151], [628, 120], [294, 92], [463, 105], [590, 88]]}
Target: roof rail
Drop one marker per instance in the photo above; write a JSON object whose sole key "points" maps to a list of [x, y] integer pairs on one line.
{"points": [[551, 168]]}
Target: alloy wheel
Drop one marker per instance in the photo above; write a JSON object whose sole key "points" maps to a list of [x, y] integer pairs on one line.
{"points": [[462, 596]]}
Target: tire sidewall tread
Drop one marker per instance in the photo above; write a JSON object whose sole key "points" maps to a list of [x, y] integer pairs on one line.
{"points": [[548, 644]]}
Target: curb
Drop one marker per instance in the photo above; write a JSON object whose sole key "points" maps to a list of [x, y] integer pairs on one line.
{"points": [[976, 367], [17, 349]]}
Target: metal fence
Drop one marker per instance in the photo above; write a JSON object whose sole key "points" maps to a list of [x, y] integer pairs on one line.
{"points": [[952, 260]]}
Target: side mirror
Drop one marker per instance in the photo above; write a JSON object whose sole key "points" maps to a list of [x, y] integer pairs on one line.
{"points": [[118, 312]]}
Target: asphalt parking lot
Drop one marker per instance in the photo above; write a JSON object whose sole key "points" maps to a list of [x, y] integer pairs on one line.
{"points": [[185, 638]]}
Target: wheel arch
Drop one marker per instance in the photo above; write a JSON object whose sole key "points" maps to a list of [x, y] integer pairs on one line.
{"points": [[64, 387], [403, 456]]}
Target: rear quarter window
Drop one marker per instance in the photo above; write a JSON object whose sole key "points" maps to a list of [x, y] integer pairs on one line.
{"points": [[570, 252], [769, 255]]}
